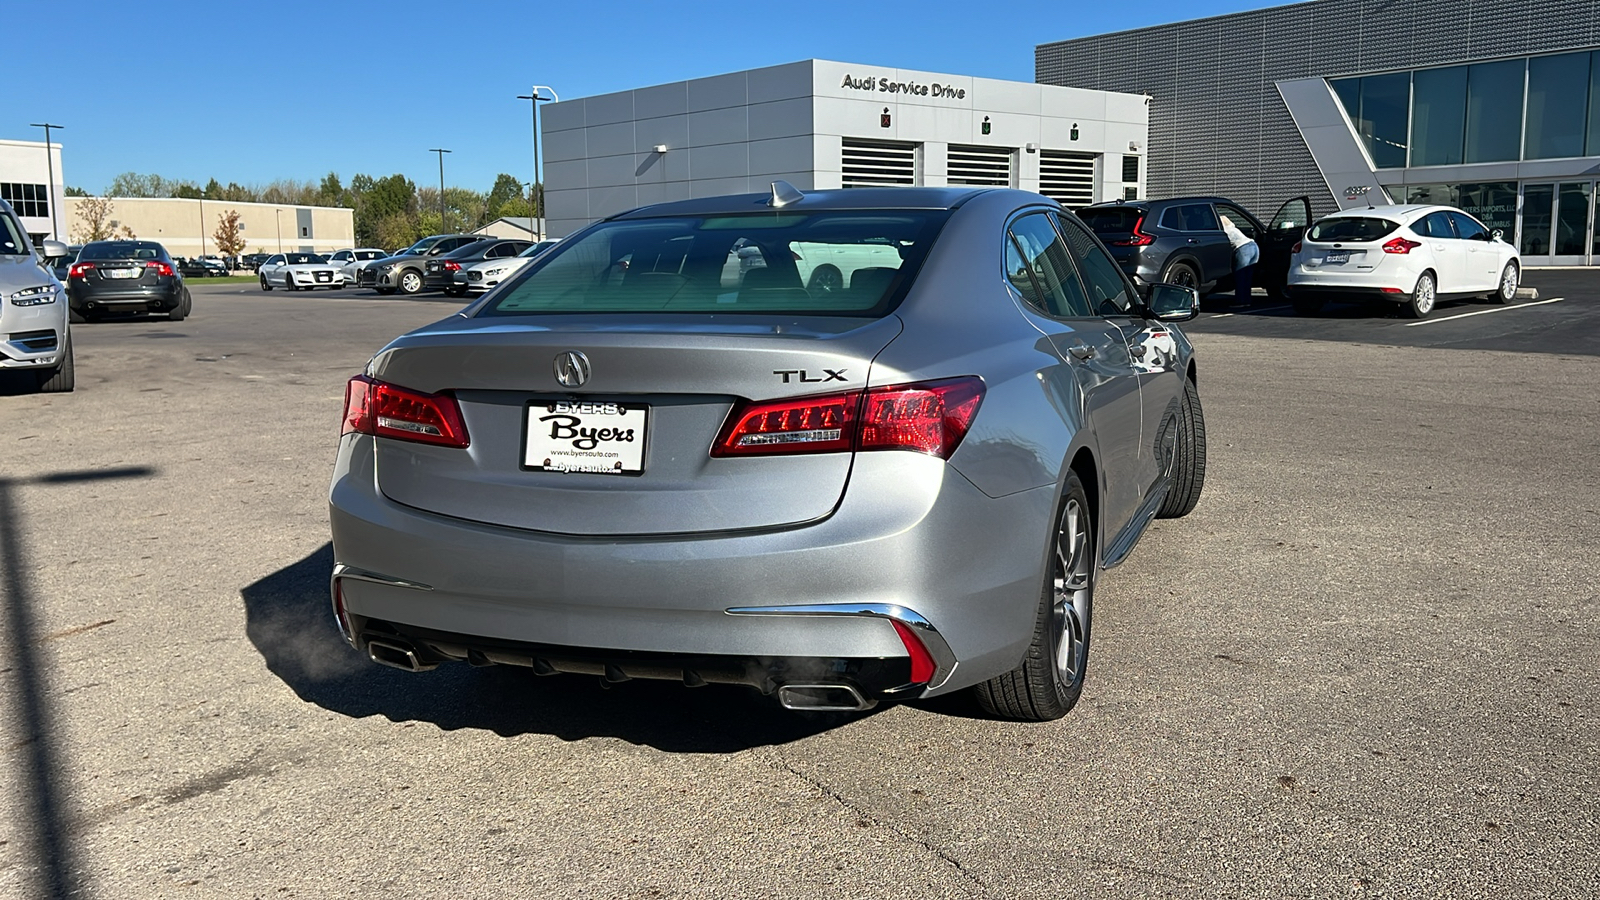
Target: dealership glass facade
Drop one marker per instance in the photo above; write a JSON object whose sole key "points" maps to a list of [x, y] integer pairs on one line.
{"points": [[1540, 107]]}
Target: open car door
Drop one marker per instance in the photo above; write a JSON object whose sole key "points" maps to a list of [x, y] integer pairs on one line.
{"points": [[1283, 232]]}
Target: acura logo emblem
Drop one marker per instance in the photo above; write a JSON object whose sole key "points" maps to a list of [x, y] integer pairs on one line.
{"points": [[572, 368]]}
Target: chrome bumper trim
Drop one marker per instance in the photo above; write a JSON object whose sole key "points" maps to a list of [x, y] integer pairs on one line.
{"points": [[943, 657]]}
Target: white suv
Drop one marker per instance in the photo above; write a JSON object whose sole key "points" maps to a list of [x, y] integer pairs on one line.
{"points": [[35, 341], [1412, 255]]}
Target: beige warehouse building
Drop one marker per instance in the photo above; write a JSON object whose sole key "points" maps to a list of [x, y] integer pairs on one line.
{"points": [[187, 227]]}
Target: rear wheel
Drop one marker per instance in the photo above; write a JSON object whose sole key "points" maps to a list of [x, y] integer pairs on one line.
{"points": [[1509, 280], [826, 280], [1181, 274], [1423, 297], [1188, 457], [1049, 681], [62, 379], [177, 313]]}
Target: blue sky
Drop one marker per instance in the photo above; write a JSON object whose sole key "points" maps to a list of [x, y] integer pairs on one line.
{"points": [[251, 92]]}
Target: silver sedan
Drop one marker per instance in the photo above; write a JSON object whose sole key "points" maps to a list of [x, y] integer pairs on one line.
{"points": [[640, 459]]}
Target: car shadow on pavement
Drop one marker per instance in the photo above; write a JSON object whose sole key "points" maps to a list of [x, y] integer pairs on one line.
{"points": [[290, 621]]}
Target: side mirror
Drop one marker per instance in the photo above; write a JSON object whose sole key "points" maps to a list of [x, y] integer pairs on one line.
{"points": [[1497, 235], [53, 249], [1172, 303]]}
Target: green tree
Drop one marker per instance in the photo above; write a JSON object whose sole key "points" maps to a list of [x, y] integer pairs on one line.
{"points": [[187, 191], [76, 191], [213, 190], [506, 188], [395, 231], [330, 192]]}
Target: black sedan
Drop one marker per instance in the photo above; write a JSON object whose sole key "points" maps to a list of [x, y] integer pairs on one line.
{"points": [[125, 276], [441, 270]]}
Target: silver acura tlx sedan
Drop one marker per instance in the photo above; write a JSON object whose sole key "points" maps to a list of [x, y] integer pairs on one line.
{"points": [[889, 465]]}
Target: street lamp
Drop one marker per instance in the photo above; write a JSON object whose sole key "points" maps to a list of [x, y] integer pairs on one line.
{"points": [[441, 186], [533, 96], [50, 166], [276, 214]]}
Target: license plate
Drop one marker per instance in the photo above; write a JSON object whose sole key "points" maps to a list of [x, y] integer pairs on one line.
{"points": [[124, 273], [591, 437], [1337, 257]]}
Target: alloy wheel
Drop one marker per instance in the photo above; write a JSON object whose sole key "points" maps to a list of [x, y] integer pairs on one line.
{"points": [[1422, 300], [1508, 284], [1072, 593]]}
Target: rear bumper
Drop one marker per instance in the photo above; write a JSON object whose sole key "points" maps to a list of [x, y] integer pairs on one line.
{"points": [[910, 534], [158, 297]]}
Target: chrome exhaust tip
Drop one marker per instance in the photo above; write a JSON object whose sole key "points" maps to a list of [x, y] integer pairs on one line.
{"points": [[398, 655], [823, 698]]}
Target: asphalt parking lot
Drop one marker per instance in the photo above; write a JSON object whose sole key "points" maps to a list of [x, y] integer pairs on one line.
{"points": [[1364, 666]]}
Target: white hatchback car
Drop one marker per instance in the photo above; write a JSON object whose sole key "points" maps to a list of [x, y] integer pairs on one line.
{"points": [[1414, 255]]}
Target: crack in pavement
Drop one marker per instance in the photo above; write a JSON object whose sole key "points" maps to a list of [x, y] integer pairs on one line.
{"points": [[863, 815]]}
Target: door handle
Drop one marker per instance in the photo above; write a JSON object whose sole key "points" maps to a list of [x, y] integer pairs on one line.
{"points": [[1081, 351], [1194, 240]]}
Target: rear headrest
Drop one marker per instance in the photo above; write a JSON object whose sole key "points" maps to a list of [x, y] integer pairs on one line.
{"points": [[768, 278], [873, 280]]}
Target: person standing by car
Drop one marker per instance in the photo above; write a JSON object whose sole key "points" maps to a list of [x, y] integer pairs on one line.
{"points": [[1246, 253]]}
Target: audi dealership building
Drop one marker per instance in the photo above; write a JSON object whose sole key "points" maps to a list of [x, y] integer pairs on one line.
{"points": [[1489, 105]]}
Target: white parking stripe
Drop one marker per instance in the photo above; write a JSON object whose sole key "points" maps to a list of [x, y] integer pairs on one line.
{"points": [[1484, 312], [1255, 311]]}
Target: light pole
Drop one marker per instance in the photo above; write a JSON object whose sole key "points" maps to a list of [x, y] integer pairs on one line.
{"points": [[50, 166], [534, 98], [276, 214], [441, 153]]}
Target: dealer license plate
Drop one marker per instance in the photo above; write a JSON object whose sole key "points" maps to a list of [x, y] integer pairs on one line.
{"points": [[1337, 257], [124, 273], [592, 437]]}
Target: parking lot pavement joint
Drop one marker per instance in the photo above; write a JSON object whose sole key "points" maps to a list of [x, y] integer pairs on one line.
{"points": [[865, 818]]}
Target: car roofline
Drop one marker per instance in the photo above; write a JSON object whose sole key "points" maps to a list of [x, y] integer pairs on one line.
{"points": [[840, 200]]}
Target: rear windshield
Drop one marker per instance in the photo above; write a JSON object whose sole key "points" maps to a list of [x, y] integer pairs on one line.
{"points": [[833, 263], [1350, 228], [1113, 220], [369, 254], [121, 250]]}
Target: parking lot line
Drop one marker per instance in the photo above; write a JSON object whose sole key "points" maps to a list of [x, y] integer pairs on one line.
{"points": [[1484, 312], [1255, 311]]}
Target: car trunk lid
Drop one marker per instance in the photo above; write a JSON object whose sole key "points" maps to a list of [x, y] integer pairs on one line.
{"points": [[675, 379]]}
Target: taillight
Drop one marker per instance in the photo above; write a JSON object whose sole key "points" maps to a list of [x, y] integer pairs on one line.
{"points": [[79, 270], [923, 666], [1296, 247], [1139, 239], [451, 265], [160, 267], [929, 418], [1401, 246], [386, 410]]}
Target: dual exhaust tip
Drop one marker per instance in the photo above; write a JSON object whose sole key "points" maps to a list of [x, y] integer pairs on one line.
{"points": [[400, 654]]}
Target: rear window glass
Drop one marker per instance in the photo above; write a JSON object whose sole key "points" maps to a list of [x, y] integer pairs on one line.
{"points": [[121, 250], [1350, 228], [833, 263], [1117, 220]]}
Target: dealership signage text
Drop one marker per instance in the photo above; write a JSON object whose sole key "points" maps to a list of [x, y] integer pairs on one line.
{"points": [[884, 85]]}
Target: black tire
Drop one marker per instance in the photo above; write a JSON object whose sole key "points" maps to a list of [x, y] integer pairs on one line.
{"points": [[1182, 274], [1188, 457], [1037, 690], [1510, 280], [288, 282], [264, 285], [62, 379], [1423, 297], [410, 282], [179, 312], [825, 279]]}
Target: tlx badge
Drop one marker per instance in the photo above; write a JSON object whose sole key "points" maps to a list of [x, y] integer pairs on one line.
{"points": [[802, 376]]}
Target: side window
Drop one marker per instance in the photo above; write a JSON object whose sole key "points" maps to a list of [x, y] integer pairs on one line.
{"points": [[1435, 225], [1051, 265], [1467, 228], [1173, 218], [1239, 219], [1109, 291], [1200, 217]]}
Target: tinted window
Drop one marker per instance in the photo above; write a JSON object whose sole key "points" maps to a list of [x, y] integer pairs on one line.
{"points": [[1494, 111], [1350, 228], [1059, 292], [1109, 291], [122, 250], [296, 259], [1436, 225], [1191, 217], [1558, 100], [369, 254], [1467, 228], [1112, 220], [13, 240], [1438, 116], [777, 263], [1240, 219]]}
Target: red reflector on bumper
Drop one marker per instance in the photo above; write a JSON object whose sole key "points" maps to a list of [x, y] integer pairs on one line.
{"points": [[922, 665]]}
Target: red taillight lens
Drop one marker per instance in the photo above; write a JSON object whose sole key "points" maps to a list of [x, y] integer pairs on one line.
{"points": [[922, 664], [929, 418], [79, 270], [385, 410], [451, 265], [1296, 247], [1139, 239], [1401, 246], [808, 425], [160, 267]]}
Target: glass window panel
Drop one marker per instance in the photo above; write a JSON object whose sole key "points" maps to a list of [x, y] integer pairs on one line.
{"points": [[1572, 219], [1438, 116], [1594, 105], [1467, 228], [1493, 203], [1558, 101], [1385, 100], [1442, 194], [1348, 91], [1537, 200], [1494, 111]]}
